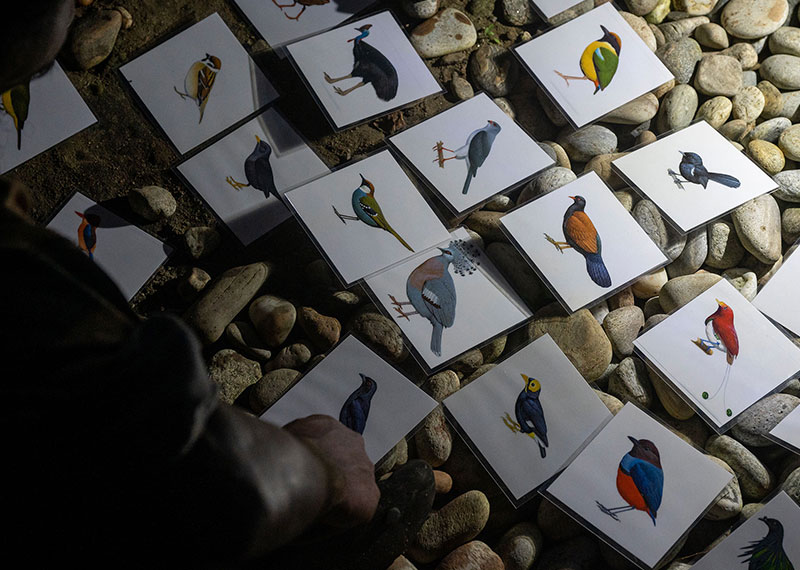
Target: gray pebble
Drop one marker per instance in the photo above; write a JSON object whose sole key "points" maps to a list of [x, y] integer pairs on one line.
{"points": [[421, 9], [718, 75], [200, 241], [677, 109], [232, 373], [447, 32], [622, 326], [588, 142], [755, 480], [680, 290], [630, 383], [788, 185], [518, 12], [752, 19], [270, 387], [93, 37], [693, 255], [495, 69], [758, 225], [757, 421], [743, 280], [785, 40], [152, 202], [681, 57], [782, 70], [549, 180], [461, 88], [724, 248]]}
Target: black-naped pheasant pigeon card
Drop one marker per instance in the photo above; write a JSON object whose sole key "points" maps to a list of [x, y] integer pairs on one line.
{"points": [[720, 354], [39, 114], [243, 175], [787, 432], [593, 64], [471, 152], [694, 175], [362, 69], [198, 83], [582, 241], [528, 416], [448, 299], [765, 541], [360, 389], [366, 216], [639, 486]]}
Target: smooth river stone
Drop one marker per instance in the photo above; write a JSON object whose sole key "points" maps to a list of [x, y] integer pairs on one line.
{"points": [[448, 31], [718, 75], [677, 109], [715, 111], [681, 57], [789, 142], [782, 70], [712, 36], [635, 112], [773, 99], [788, 185], [584, 144], [680, 290], [785, 40], [758, 225], [753, 19], [641, 7], [748, 104]]}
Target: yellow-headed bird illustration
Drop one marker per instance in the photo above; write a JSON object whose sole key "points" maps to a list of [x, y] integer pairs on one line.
{"points": [[199, 81], [599, 61], [15, 102]]}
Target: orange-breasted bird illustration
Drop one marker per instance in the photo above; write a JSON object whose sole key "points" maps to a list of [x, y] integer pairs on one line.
{"points": [[304, 3], [582, 236], [640, 480], [719, 326], [599, 61], [87, 232], [199, 81], [15, 102]]}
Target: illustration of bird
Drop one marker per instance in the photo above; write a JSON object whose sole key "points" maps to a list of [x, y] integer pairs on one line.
{"points": [[15, 102], [599, 61], [474, 152], [199, 81], [530, 415], [767, 553], [258, 171], [368, 210], [640, 480], [304, 3], [693, 170], [719, 326], [581, 235], [355, 410], [87, 232], [371, 66]]}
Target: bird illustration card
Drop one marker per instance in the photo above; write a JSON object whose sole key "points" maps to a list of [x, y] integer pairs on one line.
{"points": [[765, 541], [593, 64], [550, 8], [366, 216], [198, 83], [128, 254], [777, 299], [243, 175], [471, 152], [38, 115], [527, 417], [362, 70], [448, 299], [638, 486], [582, 242], [720, 353], [787, 432], [363, 391], [694, 175]]}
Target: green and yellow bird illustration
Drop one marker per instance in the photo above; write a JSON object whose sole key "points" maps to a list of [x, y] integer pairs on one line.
{"points": [[199, 80], [599, 61], [15, 102]]}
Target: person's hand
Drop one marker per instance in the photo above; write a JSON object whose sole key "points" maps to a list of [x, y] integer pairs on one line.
{"points": [[357, 494]]}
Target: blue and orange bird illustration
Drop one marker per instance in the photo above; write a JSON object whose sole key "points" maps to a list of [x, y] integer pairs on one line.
{"points": [[530, 415], [599, 61], [581, 235], [87, 232], [258, 171], [693, 170], [640, 480], [355, 410], [199, 81], [474, 152], [720, 328], [767, 553]]}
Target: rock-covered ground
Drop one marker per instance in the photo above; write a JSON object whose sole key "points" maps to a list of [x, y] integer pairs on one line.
{"points": [[270, 311]]}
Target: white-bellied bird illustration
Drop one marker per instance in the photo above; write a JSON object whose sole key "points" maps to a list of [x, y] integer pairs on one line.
{"points": [[474, 152]]}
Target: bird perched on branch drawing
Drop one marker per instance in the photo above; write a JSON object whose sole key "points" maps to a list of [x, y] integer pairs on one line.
{"points": [[199, 81], [15, 103], [371, 66], [474, 152], [693, 170], [720, 328], [304, 3], [767, 553], [87, 232], [258, 171], [530, 415], [599, 61], [355, 411]]}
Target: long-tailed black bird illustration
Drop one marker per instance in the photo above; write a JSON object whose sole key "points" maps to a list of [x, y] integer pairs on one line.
{"points": [[693, 170], [371, 66], [258, 171], [767, 553], [355, 410]]}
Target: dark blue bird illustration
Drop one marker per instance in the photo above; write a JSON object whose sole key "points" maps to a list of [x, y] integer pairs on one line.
{"points": [[474, 152], [258, 171], [371, 66], [693, 170], [767, 553], [87, 232], [530, 415], [355, 410]]}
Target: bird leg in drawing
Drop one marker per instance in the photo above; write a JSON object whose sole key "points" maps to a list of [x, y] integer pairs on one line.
{"points": [[706, 346], [183, 95], [343, 217], [439, 148], [292, 5], [569, 78], [675, 178], [340, 91], [511, 424], [560, 245], [235, 184], [398, 306], [612, 512]]}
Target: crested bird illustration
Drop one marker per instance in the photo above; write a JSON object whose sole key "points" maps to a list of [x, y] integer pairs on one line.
{"points": [[200, 80], [355, 411], [530, 415], [720, 327], [581, 235], [371, 66], [258, 171], [640, 480], [368, 210], [693, 170], [767, 553], [304, 3], [599, 61], [87, 232], [475, 150], [15, 102]]}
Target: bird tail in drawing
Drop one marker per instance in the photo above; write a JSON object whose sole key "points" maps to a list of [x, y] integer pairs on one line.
{"points": [[470, 175], [724, 179], [542, 449], [436, 338], [401, 240], [202, 109], [597, 270]]}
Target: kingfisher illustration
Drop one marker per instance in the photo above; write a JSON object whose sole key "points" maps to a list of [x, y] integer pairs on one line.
{"points": [[87, 232], [719, 326], [474, 152], [371, 66], [767, 553], [258, 171], [530, 415], [304, 3], [599, 61], [581, 235], [15, 102], [355, 410], [693, 170], [640, 480], [368, 210], [199, 81]]}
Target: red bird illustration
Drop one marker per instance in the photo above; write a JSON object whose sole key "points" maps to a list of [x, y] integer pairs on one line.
{"points": [[720, 326]]}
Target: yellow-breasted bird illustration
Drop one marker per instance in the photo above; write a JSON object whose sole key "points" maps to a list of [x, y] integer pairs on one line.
{"points": [[15, 102], [599, 61], [199, 81]]}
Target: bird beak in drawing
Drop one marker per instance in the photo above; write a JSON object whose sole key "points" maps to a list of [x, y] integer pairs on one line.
{"points": [[720, 303], [682, 153], [571, 197], [634, 440], [525, 378], [258, 139]]}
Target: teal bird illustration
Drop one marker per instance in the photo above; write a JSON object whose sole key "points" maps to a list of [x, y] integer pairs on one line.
{"points": [[767, 553], [530, 415]]}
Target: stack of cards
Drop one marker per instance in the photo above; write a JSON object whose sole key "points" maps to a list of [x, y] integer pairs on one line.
{"points": [[787, 433], [778, 299]]}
